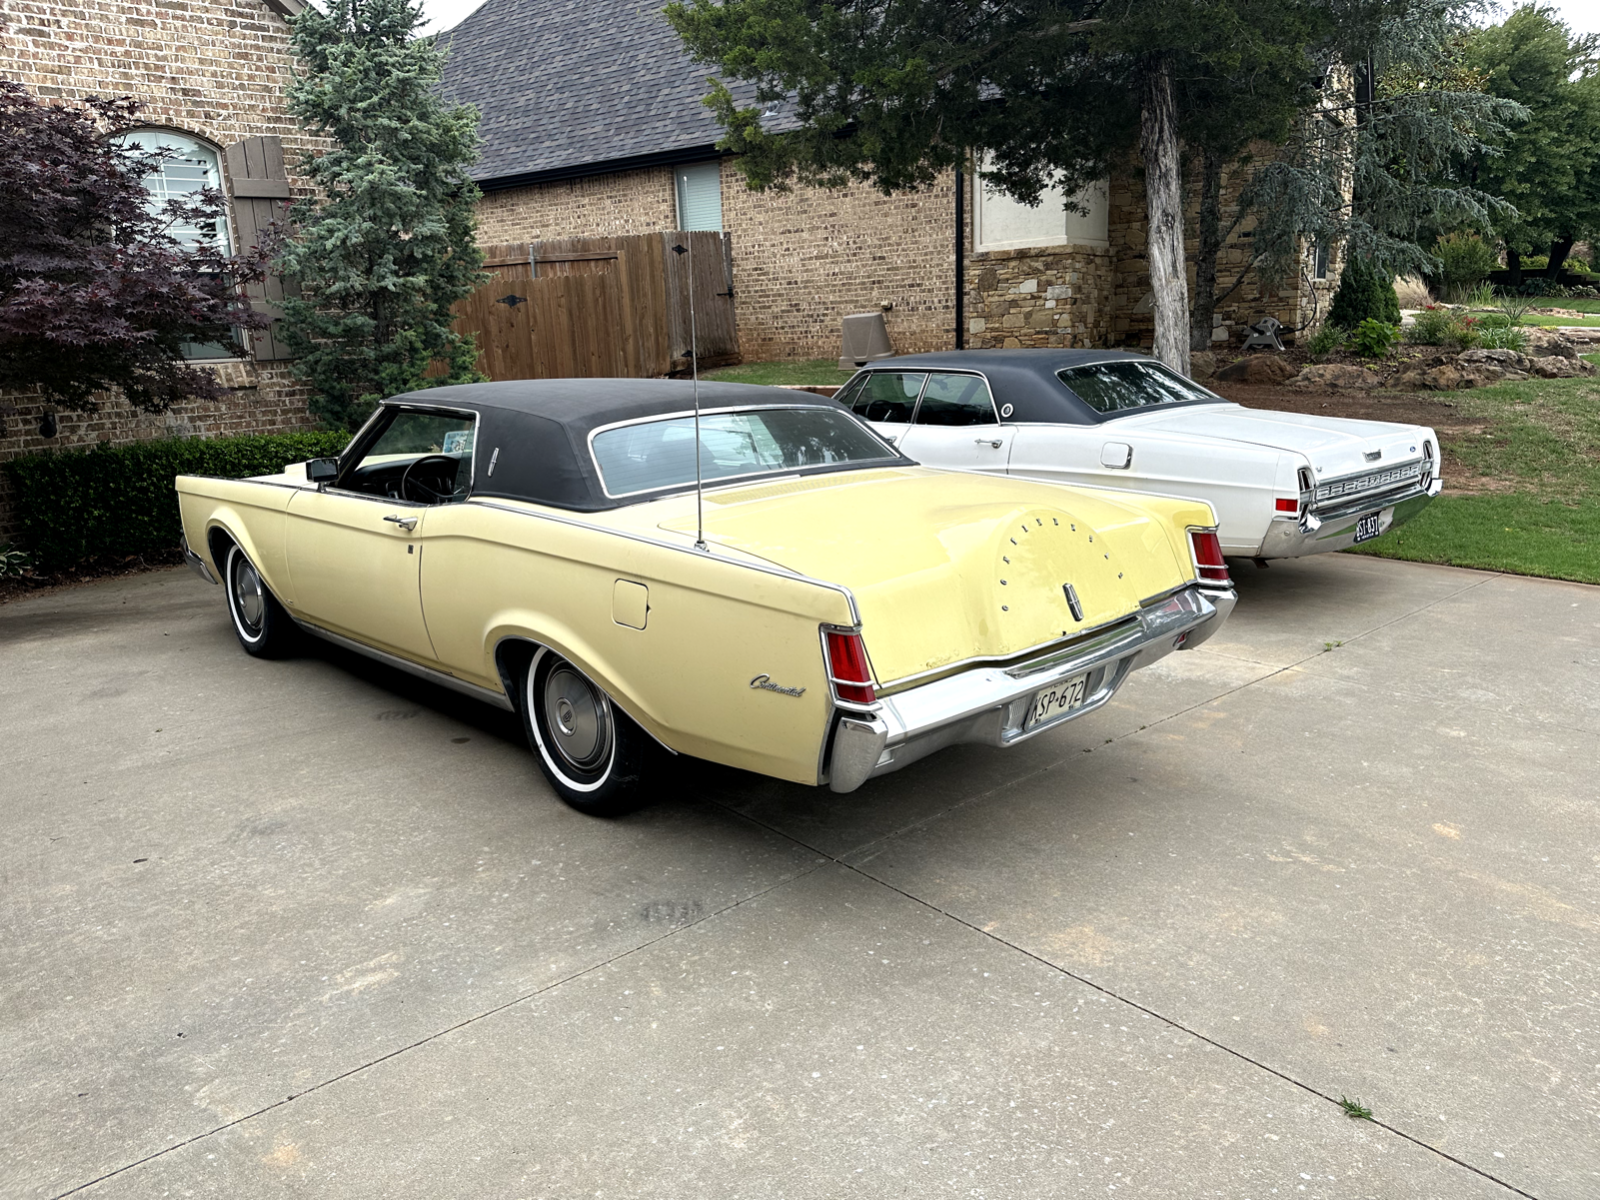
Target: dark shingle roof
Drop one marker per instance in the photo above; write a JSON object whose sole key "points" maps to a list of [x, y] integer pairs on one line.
{"points": [[576, 87]]}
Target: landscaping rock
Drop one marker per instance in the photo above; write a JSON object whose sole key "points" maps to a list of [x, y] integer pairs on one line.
{"points": [[1202, 364], [1445, 378], [1264, 370], [1339, 376], [1546, 343], [1555, 367], [1505, 360]]}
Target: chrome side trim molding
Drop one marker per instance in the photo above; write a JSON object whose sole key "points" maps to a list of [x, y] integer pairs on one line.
{"points": [[487, 695]]}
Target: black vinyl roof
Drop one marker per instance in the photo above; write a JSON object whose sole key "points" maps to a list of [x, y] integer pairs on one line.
{"points": [[532, 441], [579, 87], [1024, 379]]}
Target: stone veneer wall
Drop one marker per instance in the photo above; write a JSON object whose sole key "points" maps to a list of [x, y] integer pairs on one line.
{"points": [[214, 68], [802, 260]]}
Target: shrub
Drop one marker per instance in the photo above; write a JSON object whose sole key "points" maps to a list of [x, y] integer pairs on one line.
{"points": [[1327, 339], [1412, 291], [1481, 296], [1578, 266], [1465, 258], [1373, 338], [1535, 262], [81, 504], [1364, 293], [1435, 326], [1501, 336], [12, 560]]}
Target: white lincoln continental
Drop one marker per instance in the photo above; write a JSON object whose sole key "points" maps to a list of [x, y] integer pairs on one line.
{"points": [[1282, 484]]}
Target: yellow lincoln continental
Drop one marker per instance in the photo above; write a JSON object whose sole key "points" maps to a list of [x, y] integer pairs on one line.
{"points": [[817, 607]]}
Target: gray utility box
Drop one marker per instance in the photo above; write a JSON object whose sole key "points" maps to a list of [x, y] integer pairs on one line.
{"points": [[866, 338]]}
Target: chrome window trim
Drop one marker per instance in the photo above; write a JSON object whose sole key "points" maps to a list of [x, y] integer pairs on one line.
{"points": [[698, 555], [994, 409], [730, 480], [916, 405], [439, 410]]}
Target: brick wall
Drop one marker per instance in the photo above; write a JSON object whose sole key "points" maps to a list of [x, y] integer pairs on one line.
{"points": [[217, 69], [802, 260]]}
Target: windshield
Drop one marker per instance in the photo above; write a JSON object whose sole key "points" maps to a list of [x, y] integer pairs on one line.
{"points": [[1111, 387], [649, 455]]}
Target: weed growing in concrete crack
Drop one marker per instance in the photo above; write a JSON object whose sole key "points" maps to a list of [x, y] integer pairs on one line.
{"points": [[1354, 1109], [1326, 646]]}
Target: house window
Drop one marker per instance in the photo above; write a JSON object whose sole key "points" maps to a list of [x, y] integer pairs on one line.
{"points": [[192, 165], [700, 196], [1319, 259], [1001, 223]]}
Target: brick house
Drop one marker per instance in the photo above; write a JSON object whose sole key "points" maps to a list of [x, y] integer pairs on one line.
{"points": [[593, 124], [212, 75]]}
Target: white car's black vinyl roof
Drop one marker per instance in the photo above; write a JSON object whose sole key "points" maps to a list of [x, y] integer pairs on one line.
{"points": [[1024, 379]]}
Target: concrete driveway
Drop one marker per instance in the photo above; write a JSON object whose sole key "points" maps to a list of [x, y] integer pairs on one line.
{"points": [[313, 928]]}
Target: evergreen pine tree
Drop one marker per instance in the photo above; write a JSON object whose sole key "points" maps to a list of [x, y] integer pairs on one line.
{"points": [[1364, 291], [387, 245]]}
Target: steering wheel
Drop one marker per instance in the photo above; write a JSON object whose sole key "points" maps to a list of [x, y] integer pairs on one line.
{"points": [[414, 488]]}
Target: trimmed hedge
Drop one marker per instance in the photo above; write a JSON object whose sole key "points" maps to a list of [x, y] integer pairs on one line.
{"points": [[83, 504]]}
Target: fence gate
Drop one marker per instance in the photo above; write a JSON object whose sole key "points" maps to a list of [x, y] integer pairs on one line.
{"points": [[601, 306]]}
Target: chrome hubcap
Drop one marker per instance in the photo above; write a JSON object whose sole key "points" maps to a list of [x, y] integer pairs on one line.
{"points": [[249, 599], [580, 718]]}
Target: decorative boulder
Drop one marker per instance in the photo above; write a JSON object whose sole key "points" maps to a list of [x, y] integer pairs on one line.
{"points": [[1339, 376], [1261, 370], [1546, 343], [1555, 367], [1445, 378], [1202, 364], [1505, 360]]}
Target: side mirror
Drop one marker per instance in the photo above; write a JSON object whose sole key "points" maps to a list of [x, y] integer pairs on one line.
{"points": [[322, 470]]}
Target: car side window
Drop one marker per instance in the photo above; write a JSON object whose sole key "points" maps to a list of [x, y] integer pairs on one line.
{"points": [[422, 457], [956, 400], [888, 396]]}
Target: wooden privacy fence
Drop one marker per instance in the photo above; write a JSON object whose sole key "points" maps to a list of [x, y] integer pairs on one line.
{"points": [[602, 306]]}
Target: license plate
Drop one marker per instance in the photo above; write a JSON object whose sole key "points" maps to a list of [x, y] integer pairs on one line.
{"points": [[1367, 527], [1057, 699]]}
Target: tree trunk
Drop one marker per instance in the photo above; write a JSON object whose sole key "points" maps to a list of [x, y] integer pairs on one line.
{"points": [[1559, 249], [1514, 265], [1169, 283], [1210, 246]]}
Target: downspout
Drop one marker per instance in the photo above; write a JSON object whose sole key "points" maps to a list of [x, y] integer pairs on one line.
{"points": [[961, 260]]}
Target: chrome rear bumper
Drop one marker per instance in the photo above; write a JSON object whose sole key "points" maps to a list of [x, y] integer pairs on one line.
{"points": [[990, 705], [1334, 528], [196, 563]]}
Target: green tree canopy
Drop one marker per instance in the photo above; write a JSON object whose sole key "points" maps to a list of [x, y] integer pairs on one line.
{"points": [[388, 244], [1548, 166]]}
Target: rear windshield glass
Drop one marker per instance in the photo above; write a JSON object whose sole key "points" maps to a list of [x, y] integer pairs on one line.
{"points": [[649, 455], [1111, 387]]}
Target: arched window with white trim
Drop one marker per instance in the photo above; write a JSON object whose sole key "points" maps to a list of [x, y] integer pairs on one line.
{"points": [[191, 164]]}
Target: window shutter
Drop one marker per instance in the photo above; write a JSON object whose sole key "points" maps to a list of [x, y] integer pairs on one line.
{"points": [[258, 186], [700, 197]]}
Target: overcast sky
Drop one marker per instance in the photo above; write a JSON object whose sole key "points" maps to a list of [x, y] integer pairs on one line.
{"points": [[1582, 15]]}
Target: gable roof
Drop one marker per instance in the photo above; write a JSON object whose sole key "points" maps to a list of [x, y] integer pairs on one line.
{"points": [[578, 87]]}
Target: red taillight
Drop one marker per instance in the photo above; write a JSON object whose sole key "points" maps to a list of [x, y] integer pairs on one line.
{"points": [[847, 667], [1209, 565], [1288, 505]]}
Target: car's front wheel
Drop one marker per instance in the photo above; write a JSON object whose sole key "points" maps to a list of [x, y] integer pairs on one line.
{"points": [[593, 754], [264, 628]]}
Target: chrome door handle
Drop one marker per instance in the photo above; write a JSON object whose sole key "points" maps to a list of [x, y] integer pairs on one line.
{"points": [[995, 442], [406, 523]]}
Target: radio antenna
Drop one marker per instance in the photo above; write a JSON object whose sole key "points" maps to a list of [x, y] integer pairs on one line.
{"points": [[694, 367]]}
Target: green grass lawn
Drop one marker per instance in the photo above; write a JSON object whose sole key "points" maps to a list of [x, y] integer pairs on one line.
{"points": [[799, 370], [1540, 452], [1581, 322]]}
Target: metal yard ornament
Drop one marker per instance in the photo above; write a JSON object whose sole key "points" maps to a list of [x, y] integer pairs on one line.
{"points": [[694, 367]]}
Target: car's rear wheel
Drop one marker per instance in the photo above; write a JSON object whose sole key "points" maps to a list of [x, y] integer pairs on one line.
{"points": [[592, 753], [263, 627]]}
